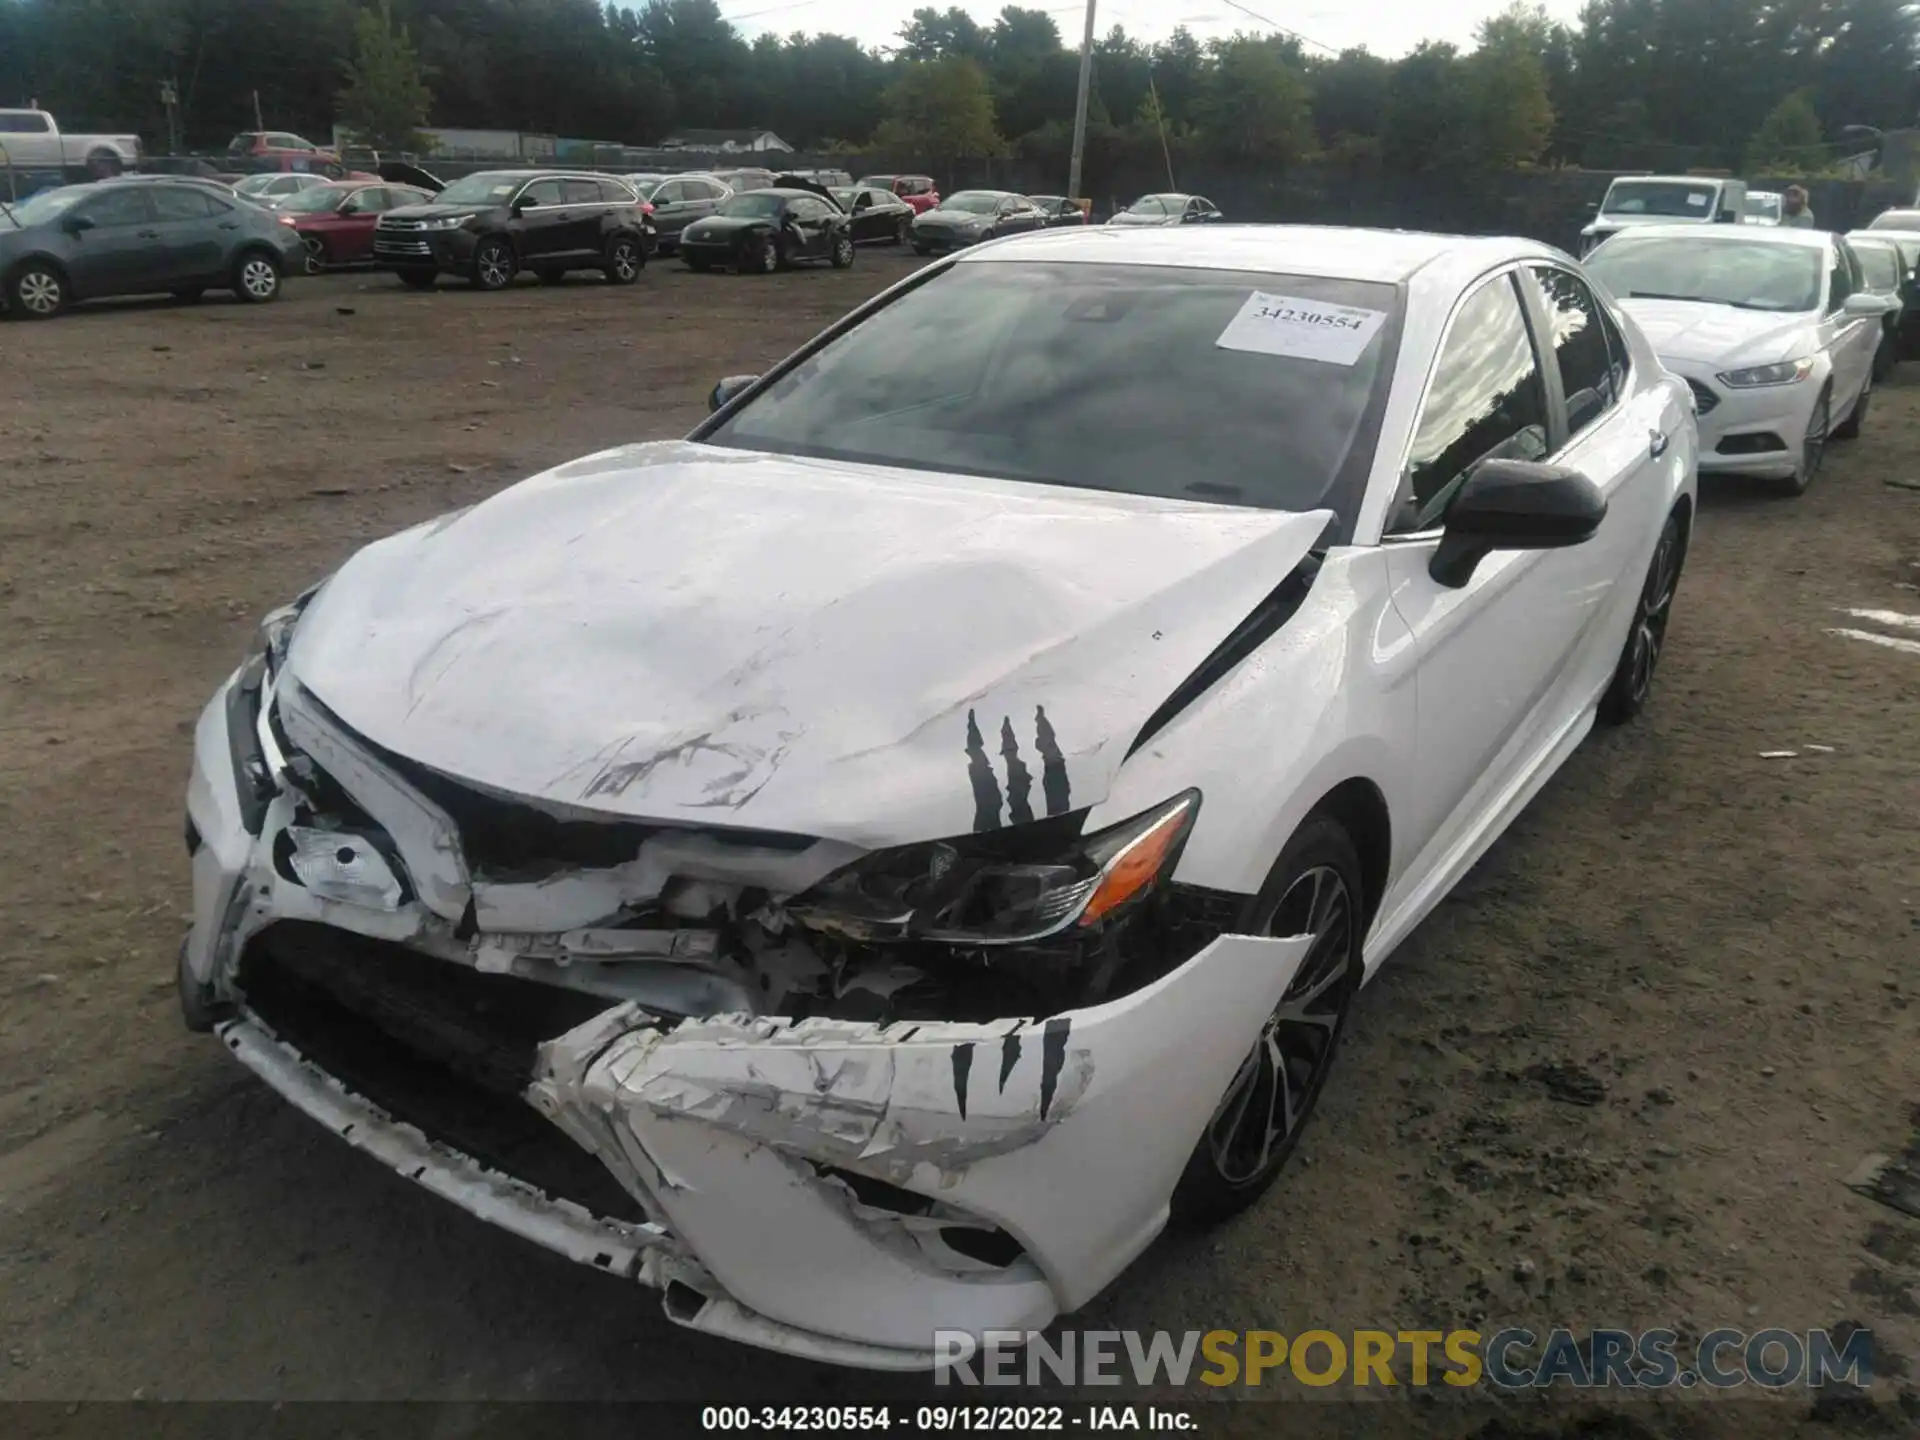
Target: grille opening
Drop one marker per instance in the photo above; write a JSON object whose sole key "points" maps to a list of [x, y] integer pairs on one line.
{"points": [[990, 1247], [434, 1044], [1703, 398], [1764, 444]]}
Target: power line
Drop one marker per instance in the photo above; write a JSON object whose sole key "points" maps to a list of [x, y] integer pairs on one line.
{"points": [[1303, 39]]}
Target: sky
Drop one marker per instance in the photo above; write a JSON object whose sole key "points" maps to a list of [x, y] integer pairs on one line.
{"points": [[1387, 27]]}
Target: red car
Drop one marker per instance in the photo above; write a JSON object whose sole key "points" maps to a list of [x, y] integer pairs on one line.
{"points": [[336, 221], [919, 191]]}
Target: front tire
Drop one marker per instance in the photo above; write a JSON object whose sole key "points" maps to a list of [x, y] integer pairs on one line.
{"points": [[37, 291], [842, 252], [1315, 889], [256, 278], [1626, 695], [1813, 447], [1849, 429], [765, 257], [903, 233], [625, 260], [492, 265], [315, 260]]}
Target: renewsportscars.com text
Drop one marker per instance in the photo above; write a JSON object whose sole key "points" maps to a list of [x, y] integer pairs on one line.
{"points": [[1509, 1359]]}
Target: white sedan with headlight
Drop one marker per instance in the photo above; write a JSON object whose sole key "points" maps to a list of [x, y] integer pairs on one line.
{"points": [[1774, 331], [861, 869]]}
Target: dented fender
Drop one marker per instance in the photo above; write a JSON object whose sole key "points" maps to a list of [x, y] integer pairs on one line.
{"points": [[1067, 1132]]}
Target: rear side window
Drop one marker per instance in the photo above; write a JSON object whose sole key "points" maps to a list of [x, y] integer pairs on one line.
{"points": [[179, 203], [1881, 269], [125, 206], [1579, 346], [612, 192], [1486, 402], [581, 192]]}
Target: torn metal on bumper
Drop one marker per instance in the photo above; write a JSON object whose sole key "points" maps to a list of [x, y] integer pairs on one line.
{"points": [[828, 1188]]}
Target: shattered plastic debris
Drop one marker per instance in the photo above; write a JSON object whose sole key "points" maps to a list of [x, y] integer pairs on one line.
{"points": [[1778, 754]]}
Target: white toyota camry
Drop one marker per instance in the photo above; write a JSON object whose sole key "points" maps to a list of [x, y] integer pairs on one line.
{"points": [[862, 868], [1773, 329]]}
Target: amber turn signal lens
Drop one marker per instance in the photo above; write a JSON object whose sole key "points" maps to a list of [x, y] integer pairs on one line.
{"points": [[1135, 867]]}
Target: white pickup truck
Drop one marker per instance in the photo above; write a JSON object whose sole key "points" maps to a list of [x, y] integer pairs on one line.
{"points": [[1665, 200], [31, 140]]}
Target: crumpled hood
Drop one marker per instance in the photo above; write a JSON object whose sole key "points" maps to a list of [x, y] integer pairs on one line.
{"points": [[1722, 335], [719, 637], [1126, 217]]}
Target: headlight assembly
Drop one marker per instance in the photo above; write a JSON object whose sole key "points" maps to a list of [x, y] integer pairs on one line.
{"points": [[1785, 372], [982, 891], [444, 222]]}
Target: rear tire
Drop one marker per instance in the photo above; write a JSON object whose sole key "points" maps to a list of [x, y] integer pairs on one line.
{"points": [[418, 279], [765, 257], [1316, 888], [626, 258], [256, 278], [903, 233], [37, 291]]}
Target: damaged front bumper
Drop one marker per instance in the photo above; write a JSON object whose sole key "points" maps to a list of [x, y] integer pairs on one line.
{"points": [[829, 1188]]}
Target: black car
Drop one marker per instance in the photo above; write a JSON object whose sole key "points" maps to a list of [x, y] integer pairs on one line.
{"points": [[765, 230], [118, 237], [1059, 210], [679, 201], [490, 226], [879, 217], [1887, 268], [972, 216]]}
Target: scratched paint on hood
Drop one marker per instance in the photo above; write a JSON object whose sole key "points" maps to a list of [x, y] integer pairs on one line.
{"points": [[693, 634]]}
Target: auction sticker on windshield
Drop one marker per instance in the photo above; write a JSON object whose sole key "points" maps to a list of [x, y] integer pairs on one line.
{"points": [[1303, 329]]}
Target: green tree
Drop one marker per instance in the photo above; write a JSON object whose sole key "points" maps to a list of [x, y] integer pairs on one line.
{"points": [[1507, 89], [1256, 106], [941, 108], [1429, 121], [386, 99], [1788, 140]]}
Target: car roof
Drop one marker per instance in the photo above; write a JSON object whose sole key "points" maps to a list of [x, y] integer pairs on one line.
{"points": [[1670, 179], [1386, 256], [1757, 234]]}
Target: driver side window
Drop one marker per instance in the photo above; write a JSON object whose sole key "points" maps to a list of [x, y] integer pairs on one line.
{"points": [[541, 192], [125, 206], [1486, 401]]}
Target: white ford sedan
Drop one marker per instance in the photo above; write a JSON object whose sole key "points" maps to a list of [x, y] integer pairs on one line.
{"points": [[1774, 331], [863, 868]]}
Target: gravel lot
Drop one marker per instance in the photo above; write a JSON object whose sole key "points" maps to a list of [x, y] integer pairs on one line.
{"points": [[1714, 950]]}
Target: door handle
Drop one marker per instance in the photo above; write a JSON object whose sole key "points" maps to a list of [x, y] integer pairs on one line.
{"points": [[1657, 445], [148, 234], [229, 224]]}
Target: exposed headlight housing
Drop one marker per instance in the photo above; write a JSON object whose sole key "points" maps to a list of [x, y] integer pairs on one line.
{"points": [[1783, 372], [983, 891]]}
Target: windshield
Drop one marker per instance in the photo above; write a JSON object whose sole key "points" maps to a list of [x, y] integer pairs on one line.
{"points": [[1763, 207], [49, 204], [751, 203], [973, 202], [844, 195], [1660, 197], [1749, 274], [1896, 220], [1138, 379], [1148, 205], [1880, 264], [256, 184], [486, 188], [313, 200]]}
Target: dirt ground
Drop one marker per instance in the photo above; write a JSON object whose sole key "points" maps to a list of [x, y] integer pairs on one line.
{"points": [[1713, 949]]}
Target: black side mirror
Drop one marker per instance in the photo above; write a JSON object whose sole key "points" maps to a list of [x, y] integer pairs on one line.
{"points": [[1514, 505], [74, 224], [727, 389]]}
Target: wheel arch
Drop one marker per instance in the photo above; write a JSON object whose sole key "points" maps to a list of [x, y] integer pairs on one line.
{"points": [[1360, 808], [52, 262]]}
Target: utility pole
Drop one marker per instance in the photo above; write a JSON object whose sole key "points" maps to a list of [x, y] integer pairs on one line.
{"points": [[170, 97], [1080, 107], [258, 123]]}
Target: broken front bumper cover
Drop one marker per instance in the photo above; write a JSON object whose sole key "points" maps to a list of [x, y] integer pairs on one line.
{"points": [[827, 1188]]}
